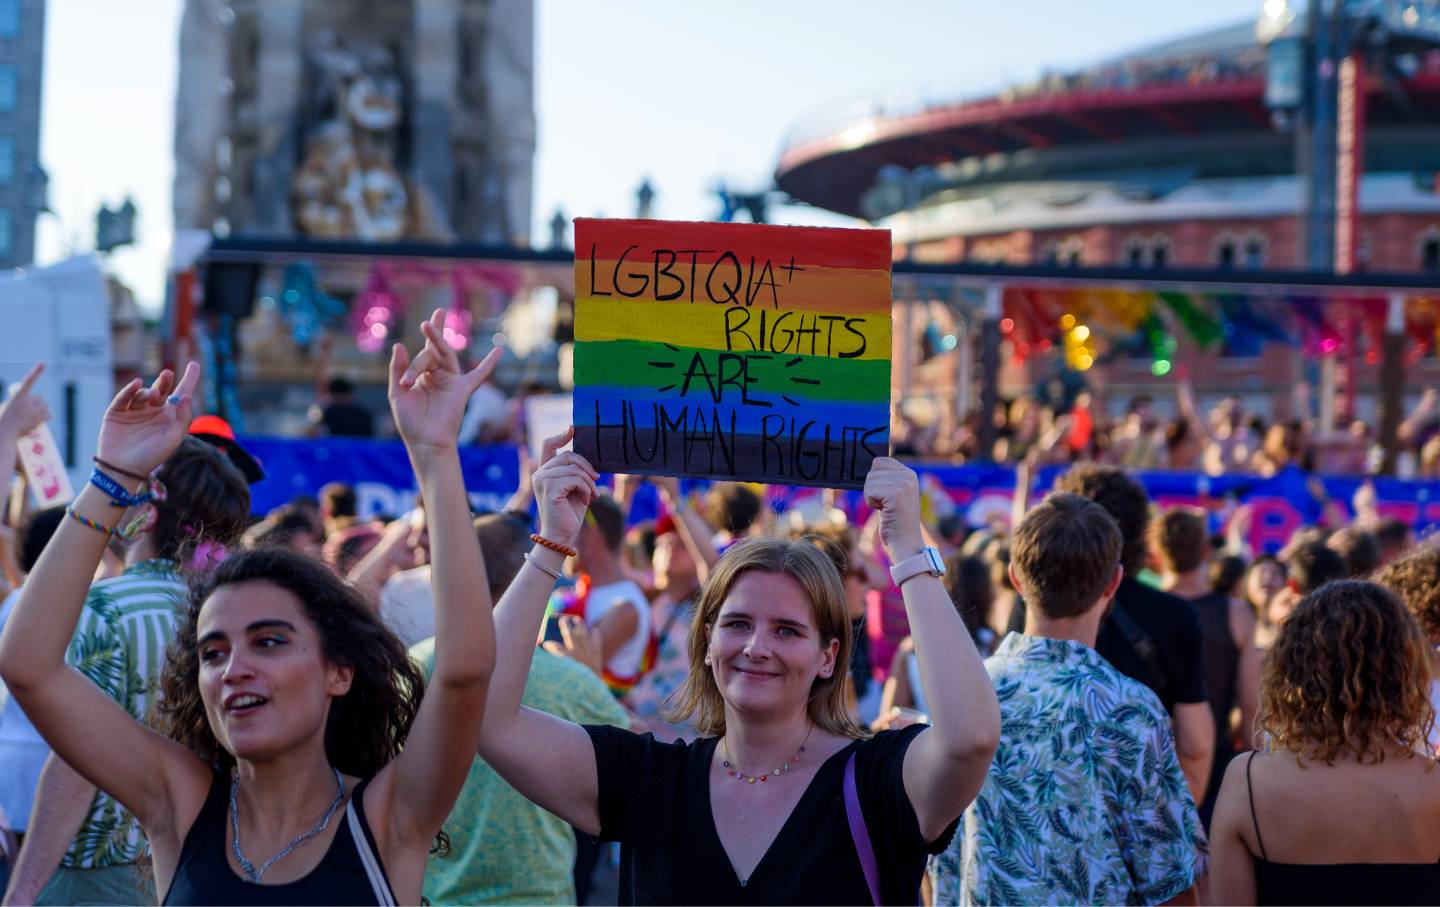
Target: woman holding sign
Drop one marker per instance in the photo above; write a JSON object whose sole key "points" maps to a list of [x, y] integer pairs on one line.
{"points": [[299, 765], [785, 800]]}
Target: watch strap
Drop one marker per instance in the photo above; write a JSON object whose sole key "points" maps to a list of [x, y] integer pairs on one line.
{"points": [[927, 561]]}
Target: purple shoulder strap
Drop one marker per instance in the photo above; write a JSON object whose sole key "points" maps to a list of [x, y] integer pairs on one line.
{"points": [[859, 833]]}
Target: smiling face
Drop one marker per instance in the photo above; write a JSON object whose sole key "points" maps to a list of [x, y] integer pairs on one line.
{"points": [[765, 649], [264, 679]]}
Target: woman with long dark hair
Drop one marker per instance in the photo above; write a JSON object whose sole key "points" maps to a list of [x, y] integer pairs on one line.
{"points": [[299, 764], [784, 799]]}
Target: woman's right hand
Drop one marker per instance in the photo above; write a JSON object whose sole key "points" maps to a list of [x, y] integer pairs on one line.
{"points": [[564, 488], [142, 427]]}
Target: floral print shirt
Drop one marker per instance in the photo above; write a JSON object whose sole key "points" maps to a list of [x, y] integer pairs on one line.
{"points": [[1085, 801], [119, 644]]}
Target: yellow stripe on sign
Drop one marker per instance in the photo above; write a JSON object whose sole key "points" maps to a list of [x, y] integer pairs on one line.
{"points": [[709, 326], [832, 291]]}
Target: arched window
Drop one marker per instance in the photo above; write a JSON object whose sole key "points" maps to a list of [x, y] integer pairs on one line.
{"points": [[1225, 252], [1430, 251]]}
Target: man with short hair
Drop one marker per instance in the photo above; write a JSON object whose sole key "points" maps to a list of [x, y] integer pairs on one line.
{"points": [[1181, 539], [503, 848], [1085, 802], [612, 605], [1151, 636]]}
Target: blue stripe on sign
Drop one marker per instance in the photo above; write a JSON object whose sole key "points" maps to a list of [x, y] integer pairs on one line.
{"points": [[643, 409]]}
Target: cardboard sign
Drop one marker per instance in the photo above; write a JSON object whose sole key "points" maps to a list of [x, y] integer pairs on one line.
{"points": [[732, 351], [546, 415], [44, 468]]}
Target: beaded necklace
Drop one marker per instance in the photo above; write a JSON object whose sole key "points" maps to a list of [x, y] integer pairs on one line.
{"points": [[784, 768]]}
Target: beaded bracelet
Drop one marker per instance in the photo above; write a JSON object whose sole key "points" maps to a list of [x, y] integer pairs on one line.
{"points": [[88, 523], [566, 550]]}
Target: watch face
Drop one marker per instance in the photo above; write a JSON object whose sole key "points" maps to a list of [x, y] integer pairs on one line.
{"points": [[937, 566]]}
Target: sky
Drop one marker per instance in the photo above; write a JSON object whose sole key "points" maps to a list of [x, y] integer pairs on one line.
{"points": [[685, 94]]}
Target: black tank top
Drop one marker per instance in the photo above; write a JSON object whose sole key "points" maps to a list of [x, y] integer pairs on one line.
{"points": [[1339, 883], [1222, 662], [350, 872]]}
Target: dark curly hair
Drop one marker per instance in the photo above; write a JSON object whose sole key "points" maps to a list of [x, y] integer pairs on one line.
{"points": [[1348, 675], [366, 727], [1123, 498], [1416, 579]]}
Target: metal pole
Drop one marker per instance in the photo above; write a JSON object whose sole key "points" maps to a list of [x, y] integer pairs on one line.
{"points": [[1392, 382], [990, 365]]}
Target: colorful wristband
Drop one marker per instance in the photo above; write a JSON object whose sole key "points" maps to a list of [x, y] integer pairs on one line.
{"points": [[88, 523], [119, 497]]}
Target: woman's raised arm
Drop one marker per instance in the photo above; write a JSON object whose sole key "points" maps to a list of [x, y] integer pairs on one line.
{"points": [[946, 765], [427, 399], [83, 725], [549, 760]]}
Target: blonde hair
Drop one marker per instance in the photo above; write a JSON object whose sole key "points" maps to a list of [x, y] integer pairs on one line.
{"points": [[699, 701]]}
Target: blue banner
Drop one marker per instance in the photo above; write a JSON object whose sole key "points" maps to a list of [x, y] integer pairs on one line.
{"points": [[379, 471], [981, 493]]}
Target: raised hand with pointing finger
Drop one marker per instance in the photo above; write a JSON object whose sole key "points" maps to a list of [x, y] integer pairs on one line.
{"points": [[23, 411]]}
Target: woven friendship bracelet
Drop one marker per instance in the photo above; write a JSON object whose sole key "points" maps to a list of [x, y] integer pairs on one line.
{"points": [[566, 550], [119, 497], [88, 523]]}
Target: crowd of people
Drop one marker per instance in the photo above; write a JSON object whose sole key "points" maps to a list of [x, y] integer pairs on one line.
{"points": [[1222, 439], [1100, 702]]}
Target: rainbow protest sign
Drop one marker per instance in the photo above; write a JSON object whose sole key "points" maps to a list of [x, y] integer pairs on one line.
{"points": [[732, 351]]}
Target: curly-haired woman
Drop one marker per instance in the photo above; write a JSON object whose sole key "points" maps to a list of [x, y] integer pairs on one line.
{"points": [[1416, 579], [1344, 805], [281, 777]]}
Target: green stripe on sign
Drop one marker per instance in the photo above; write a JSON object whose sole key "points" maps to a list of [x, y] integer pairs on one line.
{"points": [[661, 367]]}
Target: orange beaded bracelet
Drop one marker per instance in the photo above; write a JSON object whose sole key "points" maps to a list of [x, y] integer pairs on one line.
{"points": [[566, 550]]}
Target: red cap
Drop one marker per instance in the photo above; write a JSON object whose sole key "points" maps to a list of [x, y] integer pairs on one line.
{"points": [[216, 431], [212, 425]]}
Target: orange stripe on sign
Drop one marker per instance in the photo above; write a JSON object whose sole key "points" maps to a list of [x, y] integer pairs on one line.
{"points": [[826, 247], [834, 290]]}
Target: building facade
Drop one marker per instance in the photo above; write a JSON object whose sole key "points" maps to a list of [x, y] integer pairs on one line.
{"points": [[22, 181], [381, 120], [1165, 158]]}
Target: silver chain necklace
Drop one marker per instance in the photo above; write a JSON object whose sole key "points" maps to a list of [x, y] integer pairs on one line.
{"points": [[251, 873]]}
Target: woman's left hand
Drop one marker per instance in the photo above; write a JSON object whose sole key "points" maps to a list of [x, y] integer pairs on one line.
{"points": [[428, 396], [892, 489], [145, 425]]}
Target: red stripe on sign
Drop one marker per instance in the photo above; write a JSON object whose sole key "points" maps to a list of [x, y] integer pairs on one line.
{"points": [[828, 247]]}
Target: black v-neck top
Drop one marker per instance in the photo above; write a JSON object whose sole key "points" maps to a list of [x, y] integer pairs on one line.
{"points": [[655, 800]]}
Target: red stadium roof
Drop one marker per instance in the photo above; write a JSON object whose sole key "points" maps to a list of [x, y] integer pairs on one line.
{"points": [[1147, 96]]}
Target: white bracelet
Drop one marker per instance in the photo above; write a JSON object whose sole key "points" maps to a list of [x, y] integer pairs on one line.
{"points": [[553, 572]]}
